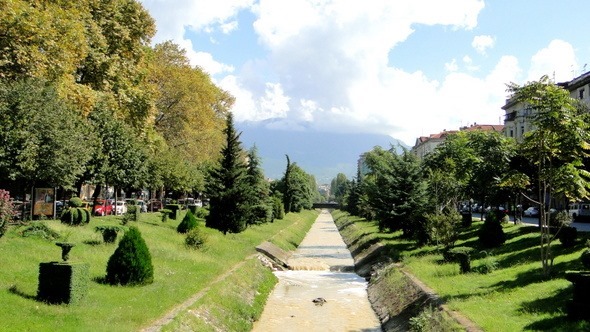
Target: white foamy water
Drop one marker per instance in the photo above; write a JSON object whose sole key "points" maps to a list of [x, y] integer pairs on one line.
{"points": [[346, 307]]}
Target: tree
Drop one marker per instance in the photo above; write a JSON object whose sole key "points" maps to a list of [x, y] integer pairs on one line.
{"points": [[43, 138], [131, 263], [260, 205], [557, 147], [396, 191], [227, 187], [339, 188]]}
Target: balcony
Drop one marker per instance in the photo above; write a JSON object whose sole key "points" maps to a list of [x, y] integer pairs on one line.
{"points": [[510, 116]]}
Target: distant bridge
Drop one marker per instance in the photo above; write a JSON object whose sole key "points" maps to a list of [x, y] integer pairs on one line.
{"points": [[326, 205]]}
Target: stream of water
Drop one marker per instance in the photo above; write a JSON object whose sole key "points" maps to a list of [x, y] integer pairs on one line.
{"points": [[315, 295]]}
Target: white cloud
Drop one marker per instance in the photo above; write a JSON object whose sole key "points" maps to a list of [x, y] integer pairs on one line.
{"points": [[557, 60], [482, 43], [452, 66], [206, 61]]}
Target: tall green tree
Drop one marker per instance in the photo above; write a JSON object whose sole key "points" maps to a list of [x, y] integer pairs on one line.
{"points": [[353, 201], [557, 148], [227, 187], [339, 187], [43, 138], [260, 205], [396, 191]]}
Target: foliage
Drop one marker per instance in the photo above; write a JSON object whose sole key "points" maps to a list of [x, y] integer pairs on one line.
{"points": [[202, 213], [63, 283], [109, 232], [75, 202], [43, 138], [131, 263], [132, 214], [278, 210], [567, 236], [432, 319], [259, 203], [585, 256], [489, 263], [188, 223], [491, 234], [75, 216], [462, 255], [165, 213], [557, 148], [227, 188], [443, 227], [353, 200], [339, 188], [195, 238], [6, 210], [396, 191], [41, 230]]}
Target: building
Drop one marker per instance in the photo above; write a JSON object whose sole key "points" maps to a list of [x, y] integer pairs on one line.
{"points": [[518, 117], [426, 144]]}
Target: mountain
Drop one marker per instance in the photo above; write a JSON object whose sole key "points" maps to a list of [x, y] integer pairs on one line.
{"points": [[323, 155]]}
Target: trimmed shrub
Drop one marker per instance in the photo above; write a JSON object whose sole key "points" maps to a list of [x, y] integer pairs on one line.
{"points": [[174, 209], [74, 215], [462, 255], [188, 222], [443, 228], [40, 230], [109, 233], [131, 263], [165, 214], [489, 263], [195, 238], [567, 236], [193, 208], [585, 257], [491, 233], [63, 282], [132, 214]]}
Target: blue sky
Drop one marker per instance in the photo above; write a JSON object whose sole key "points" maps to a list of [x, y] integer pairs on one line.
{"points": [[404, 68]]}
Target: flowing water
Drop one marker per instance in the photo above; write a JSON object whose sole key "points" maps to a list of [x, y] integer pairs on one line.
{"points": [[315, 295]]}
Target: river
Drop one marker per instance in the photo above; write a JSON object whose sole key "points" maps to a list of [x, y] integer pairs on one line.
{"points": [[319, 293]]}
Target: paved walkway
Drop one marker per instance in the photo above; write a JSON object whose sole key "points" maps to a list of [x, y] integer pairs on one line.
{"points": [[341, 298]]}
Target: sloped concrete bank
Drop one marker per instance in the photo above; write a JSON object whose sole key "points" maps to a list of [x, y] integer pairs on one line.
{"points": [[395, 295]]}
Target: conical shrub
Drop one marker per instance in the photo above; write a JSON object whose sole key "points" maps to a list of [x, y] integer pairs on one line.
{"points": [[188, 222], [131, 263]]}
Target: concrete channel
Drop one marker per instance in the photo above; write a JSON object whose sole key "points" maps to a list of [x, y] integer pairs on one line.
{"points": [[319, 292]]}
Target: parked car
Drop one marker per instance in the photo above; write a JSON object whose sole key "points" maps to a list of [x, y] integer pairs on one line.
{"points": [[154, 205], [120, 207], [102, 208], [531, 212]]}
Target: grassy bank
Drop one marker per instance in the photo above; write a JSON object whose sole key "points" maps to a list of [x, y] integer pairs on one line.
{"points": [[514, 296], [179, 272]]}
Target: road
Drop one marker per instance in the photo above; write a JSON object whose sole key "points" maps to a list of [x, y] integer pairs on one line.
{"points": [[534, 221]]}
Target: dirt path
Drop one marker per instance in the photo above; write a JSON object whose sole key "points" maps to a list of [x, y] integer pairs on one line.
{"points": [[341, 302]]}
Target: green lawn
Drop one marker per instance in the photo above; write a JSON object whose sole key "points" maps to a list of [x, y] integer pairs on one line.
{"points": [[514, 297], [178, 272]]}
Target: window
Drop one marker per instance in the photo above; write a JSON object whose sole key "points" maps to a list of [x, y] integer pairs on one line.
{"points": [[522, 130], [511, 133], [581, 93]]}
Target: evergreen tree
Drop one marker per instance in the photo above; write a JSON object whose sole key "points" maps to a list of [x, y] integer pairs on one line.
{"points": [[259, 203], [353, 200], [287, 190], [227, 187], [131, 263]]}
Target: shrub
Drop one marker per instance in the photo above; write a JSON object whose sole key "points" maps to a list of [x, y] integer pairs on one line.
{"points": [[165, 214], [585, 257], [202, 213], [488, 264], [433, 319], [75, 216], [442, 228], [6, 210], [195, 238], [40, 230], [132, 214], [75, 202], [567, 236], [491, 233], [109, 233], [131, 263], [261, 213], [188, 222], [174, 208], [278, 210], [462, 255]]}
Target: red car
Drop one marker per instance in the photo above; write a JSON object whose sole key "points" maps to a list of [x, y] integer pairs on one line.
{"points": [[102, 208]]}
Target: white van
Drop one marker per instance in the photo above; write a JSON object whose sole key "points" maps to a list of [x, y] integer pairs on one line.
{"points": [[580, 209]]}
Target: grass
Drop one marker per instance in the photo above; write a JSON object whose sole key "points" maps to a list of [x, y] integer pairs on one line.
{"points": [[515, 296], [179, 272]]}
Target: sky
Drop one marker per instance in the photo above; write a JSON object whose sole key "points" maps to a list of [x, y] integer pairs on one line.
{"points": [[404, 68]]}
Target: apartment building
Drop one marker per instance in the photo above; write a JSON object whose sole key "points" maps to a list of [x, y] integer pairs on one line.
{"points": [[518, 117]]}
